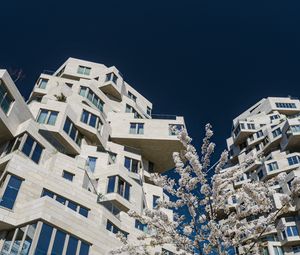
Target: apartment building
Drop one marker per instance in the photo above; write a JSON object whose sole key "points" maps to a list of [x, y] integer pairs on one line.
{"points": [[270, 131], [75, 158]]}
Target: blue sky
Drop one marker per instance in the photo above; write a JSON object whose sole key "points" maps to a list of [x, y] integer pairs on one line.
{"points": [[205, 59]]}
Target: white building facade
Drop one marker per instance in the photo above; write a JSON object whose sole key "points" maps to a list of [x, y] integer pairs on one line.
{"points": [[270, 131], [75, 158]]}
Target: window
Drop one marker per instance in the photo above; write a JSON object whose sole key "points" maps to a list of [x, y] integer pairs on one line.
{"points": [[260, 174], [47, 117], [295, 128], [293, 160], [111, 77], [84, 248], [292, 231], [155, 201], [285, 105], [72, 246], [91, 120], [6, 99], [42, 83], [272, 166], [72, 131], [274, 117], [136, 128], [70, 204], [276, 132], [140, 226], [118, 185], [173, 128], [92, 97], [92, 164], [130, 109], [296, 249], [84, 70], [44, 240], [149, 110], [32, 149], [67, 175], [59, 242], [131, 164], [114, 229], [11, 192], [250, 126], [259, 133], [131, 96]]}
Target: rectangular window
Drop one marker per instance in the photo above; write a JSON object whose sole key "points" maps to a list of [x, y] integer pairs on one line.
{"points": [[140, 226], [47, 117], [259, 133], [295, 128], [84, 70], [274, 117], [111, 77], [32, 149], [84, 248], [272, 166], [72, 246], [114, 229], [276, 132], [68, 176], [136, 128], [293, 160], [111, 184], [6, 99], [131, 164], [117, 185], [92, 97], [285, 105], [131, 96], [11, 192], [91, 120], [72, 131], [59, 242], [250, 126], [173, 128], [44, 240], [149, 110], [292, 231], [42, 83], [92, 164], [154, 201]]}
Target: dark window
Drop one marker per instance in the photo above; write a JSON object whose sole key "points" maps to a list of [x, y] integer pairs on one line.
{"points": [[92, 163], [37, 152], [67, 175], [44, 240], [72, 246], [47, 193], [60, 199], [84, 248], [5, 98], [111, 184], [72, 206], [11, 192], [28, 146], [59, 242], [84, 211], [154, 202]]}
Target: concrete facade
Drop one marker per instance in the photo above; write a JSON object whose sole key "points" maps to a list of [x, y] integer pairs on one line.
{"points": [[270, 131], [75, 158]]}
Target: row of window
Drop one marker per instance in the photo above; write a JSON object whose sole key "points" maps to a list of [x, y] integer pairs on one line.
{"points": [[6, 99], [70, 204], [92, 97], [285, 105], [72, 131], [91, 120]]}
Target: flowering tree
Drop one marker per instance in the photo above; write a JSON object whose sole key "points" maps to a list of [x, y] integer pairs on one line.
{"points": [[211, 213]]}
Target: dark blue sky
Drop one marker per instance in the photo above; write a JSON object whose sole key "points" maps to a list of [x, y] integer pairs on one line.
{"points": [[204, 59]]}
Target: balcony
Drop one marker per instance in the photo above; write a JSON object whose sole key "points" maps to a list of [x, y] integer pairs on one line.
{"points": [[151, 136], [242, 131], [292, 139]]}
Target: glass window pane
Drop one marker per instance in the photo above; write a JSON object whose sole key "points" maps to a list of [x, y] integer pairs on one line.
{"points": [[28, 240], [73, 132], [84, 248], [132, 128], [111, 184], [43, 83], [5, 104], [18, 240], [52, 118], [85, 116], [61, 200], [59, 242], [11, 192], [42, 116], [92, 163], [135, 166], [67, 125], [7, 243], [82, 91], [28, 145], [72, 246], [83, 211], [68, 176], [36, 155], [72, 205], [93, 120], [127, 191], [127, 163], [44, 240], [47, 193]]}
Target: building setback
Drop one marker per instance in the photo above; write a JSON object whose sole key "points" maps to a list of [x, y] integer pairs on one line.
{"points": [[75, 158], [270, 131]]}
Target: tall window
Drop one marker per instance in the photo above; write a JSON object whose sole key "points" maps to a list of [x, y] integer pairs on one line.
{"points": [[276, 132], [47, 117], [11, 192], [42, 83], [44, 240], [84, 70], [272, 166], [131, 96], [131, 164], [111, 77], [136, 128], [68, 176], [285, 105], [72, 131], [118, 185], [92, 163], [92, 97], [293, 160], [32, 149], [91, 120], [6, 99]]}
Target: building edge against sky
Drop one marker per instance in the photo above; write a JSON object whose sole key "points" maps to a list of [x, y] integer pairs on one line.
{"points": [[269, 131], [83, 133]]}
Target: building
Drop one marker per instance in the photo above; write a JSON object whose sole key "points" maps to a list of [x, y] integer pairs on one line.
{"points": [[270, 131], [75, 158]]}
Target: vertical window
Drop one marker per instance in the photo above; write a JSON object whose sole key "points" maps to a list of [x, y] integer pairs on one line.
{"points": [[92, 163], [18, 240], [272, 166], [42, 83], [84, 211], [292, 231], [90, 119], [149, 110], [11, 192], [278, 250], [5, 98], [72, 246], [136, 128], [131, 164], [84, 70], [111, 77], [44, 240], [72, 131], [276, 132], [42, 116], [52, 118], [122, 187], [155, 200], [140, 226], [7, 243], [150, 167], [84, 248], [68, 176], [32, 149], [59, 242], [111, 184]]}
